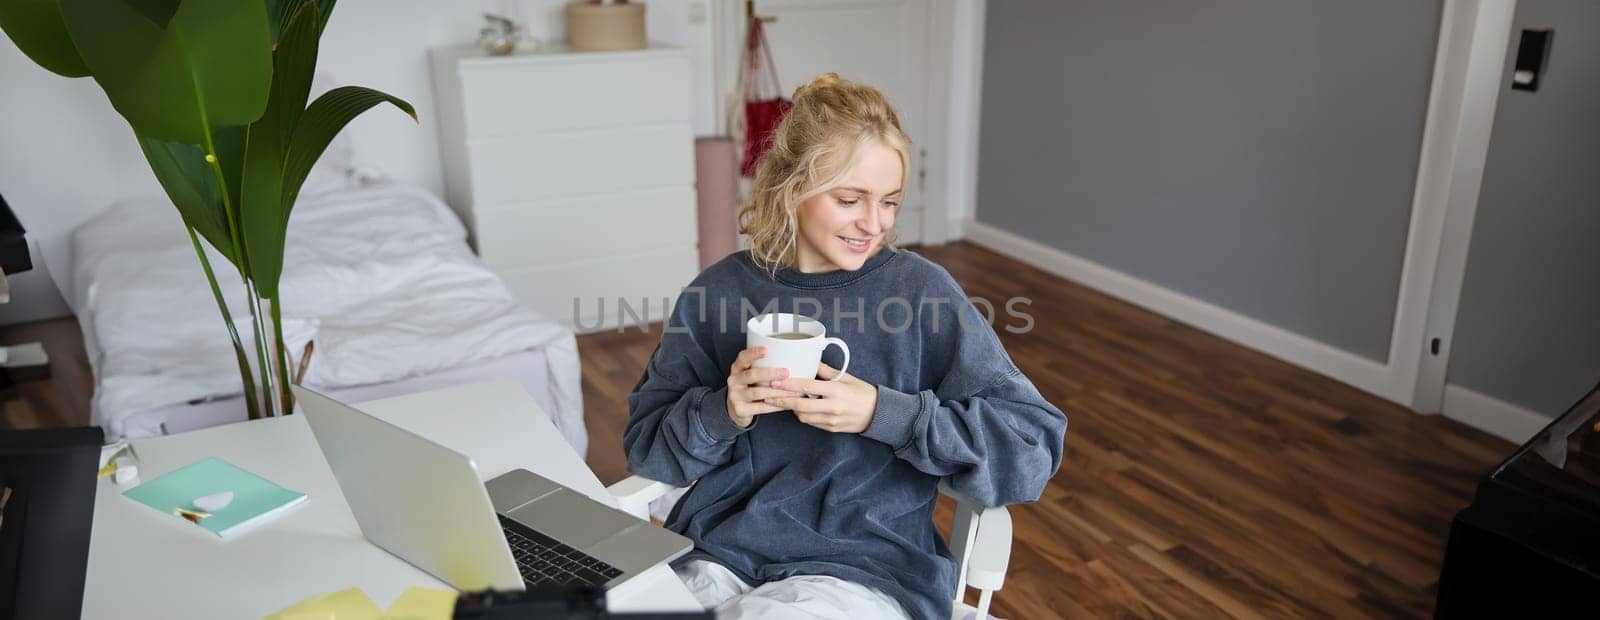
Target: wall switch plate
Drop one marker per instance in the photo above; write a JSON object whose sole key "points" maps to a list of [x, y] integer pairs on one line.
{"points": [[1533, 52]]}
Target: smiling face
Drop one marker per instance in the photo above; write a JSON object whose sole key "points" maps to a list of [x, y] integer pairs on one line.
{"points": [[844, 226]]}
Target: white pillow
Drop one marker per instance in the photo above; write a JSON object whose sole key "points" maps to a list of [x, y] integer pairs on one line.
{"points": [[332, 171]]}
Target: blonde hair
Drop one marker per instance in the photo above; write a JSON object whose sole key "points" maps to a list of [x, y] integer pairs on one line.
{"points": [[831, 117]]}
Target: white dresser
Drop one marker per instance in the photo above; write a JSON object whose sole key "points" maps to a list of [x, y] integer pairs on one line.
{"points": [[574, 173]]}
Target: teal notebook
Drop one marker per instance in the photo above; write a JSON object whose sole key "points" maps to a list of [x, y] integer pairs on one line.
{"points": [[255, 499]]}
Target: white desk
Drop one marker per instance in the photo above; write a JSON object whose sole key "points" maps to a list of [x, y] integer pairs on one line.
{"points": [[143, 564]]}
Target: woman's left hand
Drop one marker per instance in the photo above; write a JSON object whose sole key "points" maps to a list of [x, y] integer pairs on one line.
{"points": [[846, 404]]}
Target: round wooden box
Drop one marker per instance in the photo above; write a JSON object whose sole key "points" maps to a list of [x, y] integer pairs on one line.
{"points": [[597, 27]]}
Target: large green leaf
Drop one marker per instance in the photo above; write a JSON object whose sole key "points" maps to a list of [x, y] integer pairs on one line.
{"points": [[263, 210], [228, 144], [159, 12], [192, 187], [37, 29], [325, 8], [322, 121], [294, 63], [278, 14], [210, 66], [281, 12], [294, 59], [316, 128]]}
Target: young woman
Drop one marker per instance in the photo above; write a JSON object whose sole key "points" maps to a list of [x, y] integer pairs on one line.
{"points": [[814, 498]]}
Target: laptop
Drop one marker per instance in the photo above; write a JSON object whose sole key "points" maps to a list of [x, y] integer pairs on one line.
{"points": [[424, 503]]}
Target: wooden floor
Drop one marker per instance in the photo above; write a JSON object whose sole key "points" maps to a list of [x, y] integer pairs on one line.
{"points": [[63, 398], [1200, 478]]}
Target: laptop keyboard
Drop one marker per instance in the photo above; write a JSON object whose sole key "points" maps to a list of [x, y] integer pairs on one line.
{"points": [[547, 563]]}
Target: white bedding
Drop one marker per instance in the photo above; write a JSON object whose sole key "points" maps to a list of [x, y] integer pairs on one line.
{"points": [[528, 368], [379, 277]]}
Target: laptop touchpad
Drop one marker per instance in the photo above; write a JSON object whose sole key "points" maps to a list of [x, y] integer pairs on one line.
{"points": [[574, 519]]}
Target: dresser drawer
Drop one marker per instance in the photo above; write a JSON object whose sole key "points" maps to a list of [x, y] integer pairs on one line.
{"points": [[556, 231], [501, 97], [648, 282], [573, 163]]}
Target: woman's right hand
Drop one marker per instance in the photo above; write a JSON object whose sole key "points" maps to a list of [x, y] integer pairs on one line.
{"points": [[748, 386]]}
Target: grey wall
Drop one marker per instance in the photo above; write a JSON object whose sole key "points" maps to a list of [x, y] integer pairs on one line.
{"points": [[1259, 155], [1528, 324]]}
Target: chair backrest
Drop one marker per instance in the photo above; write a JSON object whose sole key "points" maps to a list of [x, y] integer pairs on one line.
{"points": [[47, 488], [980, 539], [980, 542]]}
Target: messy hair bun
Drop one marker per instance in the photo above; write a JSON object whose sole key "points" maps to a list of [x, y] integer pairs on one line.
{"points": [[831, 124]]}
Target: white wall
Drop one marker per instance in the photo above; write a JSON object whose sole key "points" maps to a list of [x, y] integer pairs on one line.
{"points": [[65, 154]]}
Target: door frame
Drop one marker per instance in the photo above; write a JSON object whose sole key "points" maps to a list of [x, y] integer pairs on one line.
{"points": [[964, 78], [1474, 36], [949, 46]]}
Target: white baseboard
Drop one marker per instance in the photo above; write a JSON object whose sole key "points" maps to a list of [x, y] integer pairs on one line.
{"points": [[1492, 415], [1358, 371]]}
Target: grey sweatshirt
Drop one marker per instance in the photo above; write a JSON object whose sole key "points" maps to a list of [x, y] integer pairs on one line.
{"points": [[781, 498]]}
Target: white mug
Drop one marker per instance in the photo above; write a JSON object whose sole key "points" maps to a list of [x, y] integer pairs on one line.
{"points": [[801, 356]]}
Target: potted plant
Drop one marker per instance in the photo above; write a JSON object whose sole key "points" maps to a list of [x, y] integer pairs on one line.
{"points": [[215, 92]]}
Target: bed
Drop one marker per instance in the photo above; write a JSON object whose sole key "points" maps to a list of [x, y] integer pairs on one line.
{"points": [[378, 275]]}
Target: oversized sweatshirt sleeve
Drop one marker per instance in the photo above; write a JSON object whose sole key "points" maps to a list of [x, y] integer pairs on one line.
{"points": [[678, 425], [984, 427], [998, 446]]}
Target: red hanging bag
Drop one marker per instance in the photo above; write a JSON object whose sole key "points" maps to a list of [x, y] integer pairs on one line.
{"points": [[761, 116]]}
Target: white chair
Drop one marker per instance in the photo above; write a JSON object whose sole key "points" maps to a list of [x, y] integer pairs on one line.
{"points": [[980, 540]]}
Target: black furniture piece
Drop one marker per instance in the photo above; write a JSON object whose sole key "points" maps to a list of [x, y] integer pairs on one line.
{"points": [[13, 246], [14, 259], [47, 487], [553, 602], [1529, 544]]}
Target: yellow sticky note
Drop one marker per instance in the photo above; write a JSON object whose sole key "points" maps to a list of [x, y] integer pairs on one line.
{"points": [[422, 604], [348, 604]]}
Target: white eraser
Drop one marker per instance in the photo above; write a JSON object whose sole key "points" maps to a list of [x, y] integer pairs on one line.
{"points": [[214, 502]]}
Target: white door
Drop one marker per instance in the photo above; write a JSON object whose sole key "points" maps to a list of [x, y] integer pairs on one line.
{"points": [[883, 43]]}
